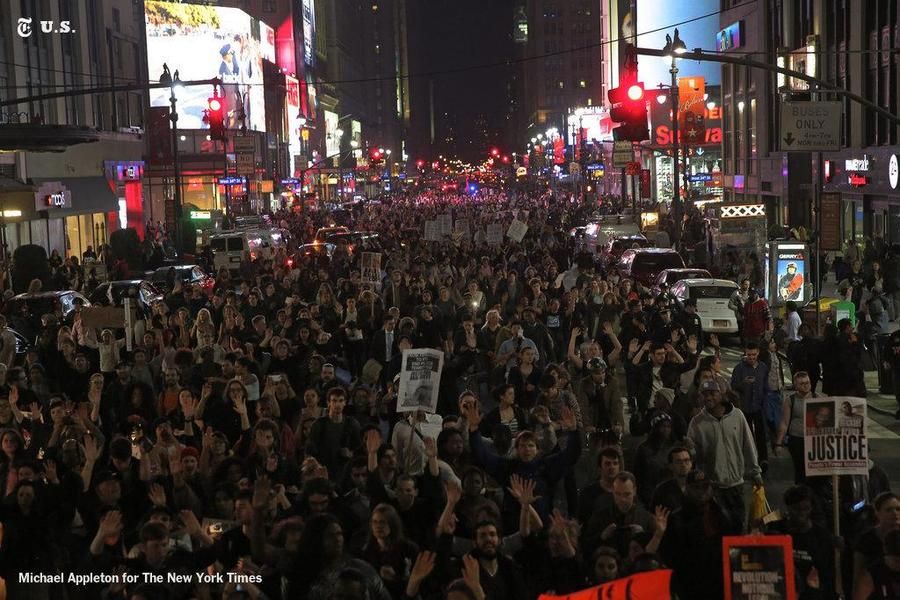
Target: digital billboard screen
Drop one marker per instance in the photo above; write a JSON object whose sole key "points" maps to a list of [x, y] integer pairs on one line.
{"points": [[204, 42]]}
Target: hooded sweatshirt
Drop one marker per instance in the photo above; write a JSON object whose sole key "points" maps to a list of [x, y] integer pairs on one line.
{"points": [[724, 447]]}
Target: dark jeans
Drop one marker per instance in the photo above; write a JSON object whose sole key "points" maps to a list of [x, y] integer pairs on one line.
{"points": [[795, 448], [757, 422], [732, 502]]}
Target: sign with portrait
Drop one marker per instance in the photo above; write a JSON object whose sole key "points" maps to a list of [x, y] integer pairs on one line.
{"points": [[834, 436]]}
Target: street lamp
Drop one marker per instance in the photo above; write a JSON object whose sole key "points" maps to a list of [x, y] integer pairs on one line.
{"points": [[174, 81], [673, 49]]}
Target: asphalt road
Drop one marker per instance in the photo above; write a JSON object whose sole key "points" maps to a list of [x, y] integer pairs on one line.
{"points": [[883, 432]]}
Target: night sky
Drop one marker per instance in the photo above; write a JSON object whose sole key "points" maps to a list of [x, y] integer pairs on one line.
{"points": [[460, 33]]}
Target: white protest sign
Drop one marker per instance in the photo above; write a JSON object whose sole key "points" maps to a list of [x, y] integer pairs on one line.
{"points": [[834, 436], [517, 230], [420, 380], [494, 234], [371, 267]]}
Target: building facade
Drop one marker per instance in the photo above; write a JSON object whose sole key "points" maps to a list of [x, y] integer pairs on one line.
{"points": [[76, 195]]}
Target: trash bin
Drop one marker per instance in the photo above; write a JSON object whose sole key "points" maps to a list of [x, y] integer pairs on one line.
{"points": [[885, 374]]}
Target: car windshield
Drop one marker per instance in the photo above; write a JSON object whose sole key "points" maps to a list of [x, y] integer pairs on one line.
{"points": [[719, 292], [657, 262]]}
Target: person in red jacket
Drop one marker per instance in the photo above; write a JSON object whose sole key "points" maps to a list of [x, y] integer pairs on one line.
{"points": [[757, 317]]}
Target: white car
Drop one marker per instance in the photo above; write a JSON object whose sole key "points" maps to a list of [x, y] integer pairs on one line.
{"points": [[712, 297]]}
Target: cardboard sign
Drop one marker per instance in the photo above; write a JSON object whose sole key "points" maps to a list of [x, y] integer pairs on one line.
{"points": [[420, 380], [517, 230], [103, 317], [652, 585], [494, 234], [834, 436], [758, 567]]}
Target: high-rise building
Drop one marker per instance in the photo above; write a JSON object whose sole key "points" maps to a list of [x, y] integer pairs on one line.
{"points": [[71, 169], [563, 69], [840, 43]]}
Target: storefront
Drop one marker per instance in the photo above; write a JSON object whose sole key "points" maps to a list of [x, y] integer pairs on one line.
{"points": [[867, 181], [82, 211]]}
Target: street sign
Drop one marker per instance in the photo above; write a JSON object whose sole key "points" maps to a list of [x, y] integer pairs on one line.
{"points": [[810, 126], [622, 154], [245, 155]]}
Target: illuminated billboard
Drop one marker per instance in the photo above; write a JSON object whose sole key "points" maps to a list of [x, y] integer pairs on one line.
{"points": [[309, 32], [267, 42], [204, 42], [292, 114], [332, 139]]}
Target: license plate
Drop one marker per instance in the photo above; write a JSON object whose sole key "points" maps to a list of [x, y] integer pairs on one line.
{"points": [[720, 322], [236, 259]]}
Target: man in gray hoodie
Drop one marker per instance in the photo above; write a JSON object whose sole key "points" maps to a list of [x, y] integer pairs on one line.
{"points": [[724, 450]]}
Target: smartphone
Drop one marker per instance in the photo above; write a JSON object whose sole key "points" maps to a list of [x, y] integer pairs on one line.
{"points": [[858, 506]]}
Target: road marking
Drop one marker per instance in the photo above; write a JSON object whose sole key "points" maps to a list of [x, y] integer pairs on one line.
{"points": [[877, 431]]}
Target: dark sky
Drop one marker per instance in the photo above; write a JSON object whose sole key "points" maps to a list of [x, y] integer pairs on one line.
{"points": [[460, 33]]}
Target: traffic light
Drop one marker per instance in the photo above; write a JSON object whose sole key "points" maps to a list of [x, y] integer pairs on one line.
{"points": [[376, 154], [215, 117], [495, 152], [629, 107]]}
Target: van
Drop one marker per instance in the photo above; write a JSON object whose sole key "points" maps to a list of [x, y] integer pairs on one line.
{"points": [[230, 247]]}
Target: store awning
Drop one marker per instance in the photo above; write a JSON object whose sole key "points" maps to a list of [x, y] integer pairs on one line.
{"points": [[89, 195]]}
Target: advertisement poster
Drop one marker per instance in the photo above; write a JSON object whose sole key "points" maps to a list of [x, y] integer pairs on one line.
{"points": [[267, 42], [420, 380], [758, 567], [790, 269], [371, 267], [292, 114], [517, 230], [692, 109], [650, 585], [332, 141], [834, 440], [205, 42], [309, 32]]}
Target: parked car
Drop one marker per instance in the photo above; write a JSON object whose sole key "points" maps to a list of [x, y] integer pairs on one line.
{"points": [[644, 265], [60, 303], [712, 297], [616, 245], [147, 293], [189, 275], [353, 241], [667, 278]]}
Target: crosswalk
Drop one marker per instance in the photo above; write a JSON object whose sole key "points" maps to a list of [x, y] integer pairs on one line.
{"points": [[874, 429]]}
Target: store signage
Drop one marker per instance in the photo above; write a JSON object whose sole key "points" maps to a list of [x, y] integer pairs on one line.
{"points": [[230, 180], [830, 238], [52, 195], [857, 164], [730, 37], [893, 171], [857, 180], [201, 215]]}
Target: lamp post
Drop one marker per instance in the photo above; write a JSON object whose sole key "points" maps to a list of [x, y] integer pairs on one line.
{"points": [[672, 49], [174, 81]]}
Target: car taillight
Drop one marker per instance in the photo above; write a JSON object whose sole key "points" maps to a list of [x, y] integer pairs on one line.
{"points": [[289, 262]]}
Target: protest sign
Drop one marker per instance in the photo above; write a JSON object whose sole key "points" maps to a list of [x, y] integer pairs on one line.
{"points": [[420, 380], [461, 227], [432, 231], [651, 585], [758, 567], [494, 234], [371, 267], [517, 230], [834, 436], [445, 224]]}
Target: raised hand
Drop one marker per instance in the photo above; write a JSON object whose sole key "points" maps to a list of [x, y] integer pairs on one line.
{"points": [[661, 518], [522, 490], [423, 566], [692, 343], [373, 441], [454, 492], [713, 340], [156, 494], [111, 524], [91, 448], [568, 420], [430, 448], [240, 405], [633, 346], [191, 524], [472, 576]]}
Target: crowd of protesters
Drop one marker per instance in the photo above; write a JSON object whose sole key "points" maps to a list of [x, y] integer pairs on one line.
{"points": [[584, 429]]}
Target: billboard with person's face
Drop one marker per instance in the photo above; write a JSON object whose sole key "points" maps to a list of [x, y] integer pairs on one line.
{"points": [[205, 42]]}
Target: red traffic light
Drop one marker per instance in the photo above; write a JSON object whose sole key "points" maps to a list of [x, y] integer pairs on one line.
{"points": [[215, 117], [506, 160], [495, 152], [215, 104], [420, 163], [635, 91]]}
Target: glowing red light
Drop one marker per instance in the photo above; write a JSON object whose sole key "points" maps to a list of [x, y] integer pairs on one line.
{"points": [[636, 92], [215, 104]]}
